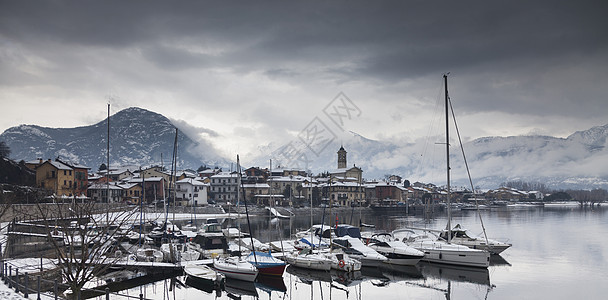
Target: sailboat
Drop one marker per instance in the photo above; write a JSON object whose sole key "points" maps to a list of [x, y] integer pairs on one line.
{"points": [[307, 258], [263, 261], [444, 251], [238, 267]]}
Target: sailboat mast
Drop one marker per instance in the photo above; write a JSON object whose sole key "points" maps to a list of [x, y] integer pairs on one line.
{"points": [[108, 171], [447, 151], [238, 168]]}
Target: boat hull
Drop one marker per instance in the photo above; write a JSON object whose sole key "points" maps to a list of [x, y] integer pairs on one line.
{"points": [[237, 269], [308, 262], [272, 270], [480, 259]]}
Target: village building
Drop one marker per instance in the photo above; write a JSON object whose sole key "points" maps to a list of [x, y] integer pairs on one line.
{"points": [[131, 192], [258, 193], [61, 178], [290, 187], [344, 173], [153, 188], [209, 172], [191, 192], [224, 187], [98, 192]]}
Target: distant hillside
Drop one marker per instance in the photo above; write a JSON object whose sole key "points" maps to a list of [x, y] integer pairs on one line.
{"points": [[577, 162], [137, 137]]}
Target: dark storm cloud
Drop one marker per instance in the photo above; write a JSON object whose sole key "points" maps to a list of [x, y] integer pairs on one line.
{"points": [[512, 56]]}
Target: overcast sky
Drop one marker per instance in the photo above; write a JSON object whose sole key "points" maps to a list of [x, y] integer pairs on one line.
{"points": [[253, 73]]}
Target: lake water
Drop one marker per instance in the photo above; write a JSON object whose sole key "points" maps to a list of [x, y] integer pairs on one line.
{"points": [[557, 253]]}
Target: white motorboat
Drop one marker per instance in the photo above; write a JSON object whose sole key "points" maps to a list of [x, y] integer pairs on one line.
{"points": [[397, 252], [310, 242], [308, 260], [236, 268], [461, 237], [205, 275], [173, 252], [282, 246], [439, 251], [355, 248], [343, 262], [209, 243], [149, 255], [247, 242], [318, 230]]}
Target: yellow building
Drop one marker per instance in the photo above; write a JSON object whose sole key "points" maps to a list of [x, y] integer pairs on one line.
{"points": [[56, 177]]}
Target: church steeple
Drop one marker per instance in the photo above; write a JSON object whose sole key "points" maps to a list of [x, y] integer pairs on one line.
{"points": [[341, 158]]}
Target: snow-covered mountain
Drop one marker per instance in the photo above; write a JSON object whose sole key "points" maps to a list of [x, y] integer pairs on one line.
{"points": [[579, 161], [137, 138]]}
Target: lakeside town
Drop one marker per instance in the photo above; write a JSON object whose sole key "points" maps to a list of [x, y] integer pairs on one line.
{"points": [[93, 222], [285, 187]]}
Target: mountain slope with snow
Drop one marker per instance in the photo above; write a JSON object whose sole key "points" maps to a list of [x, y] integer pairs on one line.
{"points": [[137, 137]]}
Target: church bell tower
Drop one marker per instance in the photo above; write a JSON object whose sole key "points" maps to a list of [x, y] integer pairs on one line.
{"points": [[341, 158]]}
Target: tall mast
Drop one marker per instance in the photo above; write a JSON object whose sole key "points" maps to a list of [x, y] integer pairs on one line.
{"points": [[238, 169], [108, 170], [447, 151]]}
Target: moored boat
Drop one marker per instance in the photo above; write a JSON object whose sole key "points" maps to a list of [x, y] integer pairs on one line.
{"points": [[204, 275], [439, 251], [267, 264], [461, 237], [308, 260], [236, 267], [398, 253]]}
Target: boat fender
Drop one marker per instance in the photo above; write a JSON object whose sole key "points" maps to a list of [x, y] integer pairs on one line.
{"points": [[341, 264]]}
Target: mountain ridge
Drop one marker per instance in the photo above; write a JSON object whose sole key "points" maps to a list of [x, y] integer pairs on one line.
{"points": [[139, 136]]}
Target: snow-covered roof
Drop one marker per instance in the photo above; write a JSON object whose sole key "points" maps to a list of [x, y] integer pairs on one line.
{"points": [[191, 181], [225, 175], [102, 186], [256, 185], [59, 165]]}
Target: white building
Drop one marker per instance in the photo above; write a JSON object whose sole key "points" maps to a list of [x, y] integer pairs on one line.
{"points": [[191, 192], [224, 186]]}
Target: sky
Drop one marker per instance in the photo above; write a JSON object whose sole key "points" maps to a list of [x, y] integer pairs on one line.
{"points": [[252, 75]]}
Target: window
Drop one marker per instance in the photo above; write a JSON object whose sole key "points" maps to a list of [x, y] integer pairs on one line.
{"points": [[64, 173], [70, 172], [65, 182]]}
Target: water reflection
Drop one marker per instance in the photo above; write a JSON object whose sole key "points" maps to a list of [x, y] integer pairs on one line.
{"points": [[575, 269]]}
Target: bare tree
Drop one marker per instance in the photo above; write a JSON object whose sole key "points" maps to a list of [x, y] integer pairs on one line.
{"points": [[84, 236]]}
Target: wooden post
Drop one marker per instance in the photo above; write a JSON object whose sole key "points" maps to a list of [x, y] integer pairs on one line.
{"points": [[38, 287], [55, 290], [107, 293], [141, 296], [10, 274], [16, 280], [25, 285]]}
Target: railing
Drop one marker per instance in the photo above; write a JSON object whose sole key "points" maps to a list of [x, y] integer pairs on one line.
{"points": [[21, 284]]}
